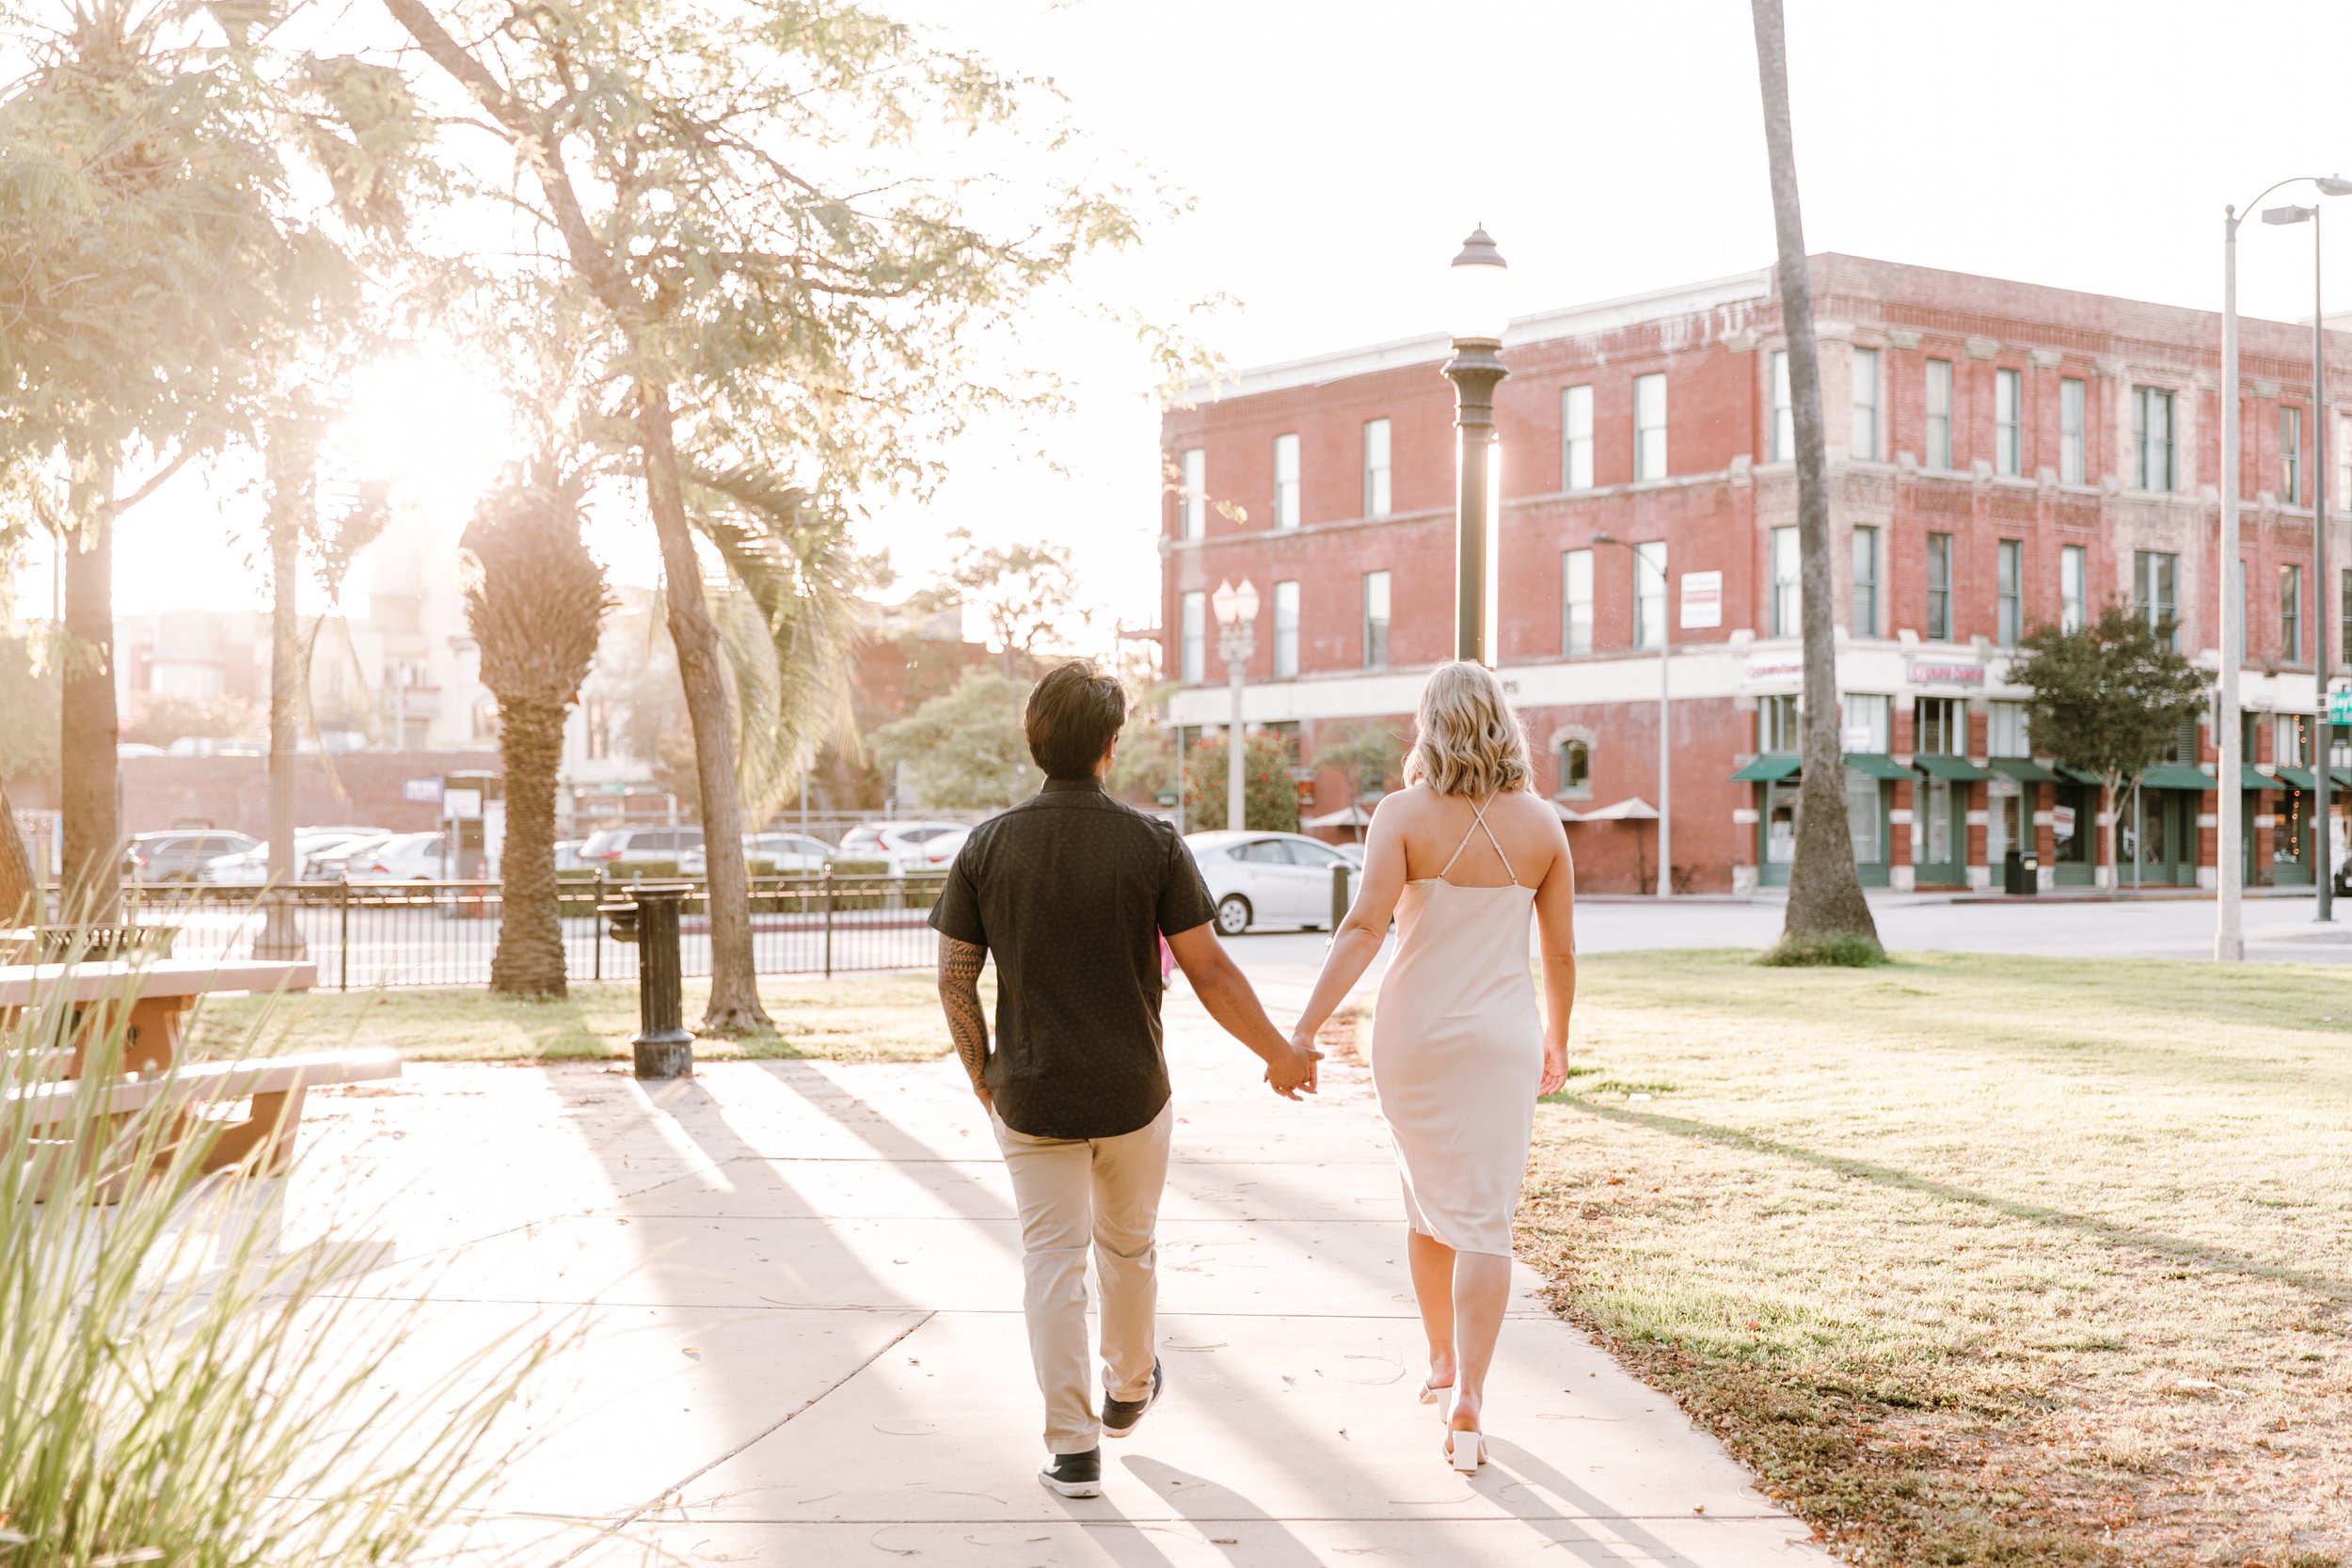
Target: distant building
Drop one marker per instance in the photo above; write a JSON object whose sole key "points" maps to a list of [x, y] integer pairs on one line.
{"points": [[2002, 455]]}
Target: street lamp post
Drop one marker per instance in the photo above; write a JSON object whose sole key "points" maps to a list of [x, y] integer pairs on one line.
{"points": [[1479, 282], [1665, 748], [1236, 640], [2323, 870], [2229, 939]]}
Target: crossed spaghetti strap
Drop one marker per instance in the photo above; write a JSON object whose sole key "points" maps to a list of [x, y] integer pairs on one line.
{"points": [[1478, 824]]}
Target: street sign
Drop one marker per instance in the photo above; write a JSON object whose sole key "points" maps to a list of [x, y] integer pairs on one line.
{"points": [[2340, 707]]}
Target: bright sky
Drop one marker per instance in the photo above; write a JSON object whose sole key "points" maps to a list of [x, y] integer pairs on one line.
{"points": [[1338, 153]]}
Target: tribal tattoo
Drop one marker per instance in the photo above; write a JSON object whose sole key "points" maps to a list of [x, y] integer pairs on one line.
{"points": [[959, 995]]}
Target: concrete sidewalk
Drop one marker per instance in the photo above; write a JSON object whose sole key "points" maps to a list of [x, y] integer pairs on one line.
{"points": [[800, 1287]]}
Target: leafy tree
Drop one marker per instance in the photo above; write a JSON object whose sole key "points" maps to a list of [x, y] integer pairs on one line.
{"points": [[1028, 593], [29, 682], [1825, 899], [537, 601], [776, 284], [1369, 751], [2108, 698], [964, 751], [1269, 800]]}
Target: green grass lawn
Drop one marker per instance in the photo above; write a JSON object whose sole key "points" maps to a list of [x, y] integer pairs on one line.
{"points": [[862, 1018], [1978, 1261]]}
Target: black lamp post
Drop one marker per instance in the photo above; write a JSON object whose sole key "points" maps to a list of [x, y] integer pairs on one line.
{"points": [[1480, 312]]}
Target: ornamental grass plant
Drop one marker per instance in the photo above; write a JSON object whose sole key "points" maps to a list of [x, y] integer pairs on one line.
{"points": [[181, 1385]]}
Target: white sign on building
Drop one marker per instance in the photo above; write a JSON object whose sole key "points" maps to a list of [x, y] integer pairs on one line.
{"points": [[1702, 600]]}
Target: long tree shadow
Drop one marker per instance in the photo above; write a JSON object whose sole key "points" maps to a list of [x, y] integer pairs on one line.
{"points": [[2176, 1248]]}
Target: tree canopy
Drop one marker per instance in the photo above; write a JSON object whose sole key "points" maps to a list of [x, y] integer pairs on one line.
{"points": [[2109, 697], [964, 751]]}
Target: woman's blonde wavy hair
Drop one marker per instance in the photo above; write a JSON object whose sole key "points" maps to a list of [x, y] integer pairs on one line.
{"points": [[1470, 742]]}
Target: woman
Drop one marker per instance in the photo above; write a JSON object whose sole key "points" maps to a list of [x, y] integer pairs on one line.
{"points": [[1458, 1051]]}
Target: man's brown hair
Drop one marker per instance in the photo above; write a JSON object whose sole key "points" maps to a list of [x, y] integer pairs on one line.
{"points": [[1075, 714]]}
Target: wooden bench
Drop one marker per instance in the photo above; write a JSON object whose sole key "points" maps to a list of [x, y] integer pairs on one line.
{"points": [[264, 1142], [158, 995], [49, 1094]]}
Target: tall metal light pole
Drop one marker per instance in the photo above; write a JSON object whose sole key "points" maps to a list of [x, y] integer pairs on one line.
{"points": [[1665, 746], [2229, 939], [2323, 866], [1479, 281], [1236, 640]]}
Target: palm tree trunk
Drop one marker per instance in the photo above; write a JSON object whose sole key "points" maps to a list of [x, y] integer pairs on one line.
{"points": [[280, 936], [735, 1007], [529, 957], [19, 895], [1824, 891], [89, 882]]}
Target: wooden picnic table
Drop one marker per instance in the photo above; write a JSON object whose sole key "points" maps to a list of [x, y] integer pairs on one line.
{"points": [[159, 994]]}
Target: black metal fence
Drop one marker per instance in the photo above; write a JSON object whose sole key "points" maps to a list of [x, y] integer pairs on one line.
{"points": [[364, 935]]}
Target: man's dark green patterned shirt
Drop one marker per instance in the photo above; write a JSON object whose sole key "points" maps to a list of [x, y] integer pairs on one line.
{"points": [[1070, 891]]}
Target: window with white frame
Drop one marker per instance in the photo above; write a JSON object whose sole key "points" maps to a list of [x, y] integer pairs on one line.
{"points": [[2291, 615], [1868, 721], [1940, 726], [1192, 648], [1576, 438], [2005, 730], [2072, 410], [2291, 456], [1649, 427], [1285, 631], [2153, 468], [2286, 741], [1787, 585], [1865, 404], [1939, 587], [1576, 601], [2343, 461], [1776, 725], [1193, 496], [1939, 414], [1865, 581], [1376, 468], [1649, 595], [1573, 757], [1784, 434], [1286, 481], [1375, 620], [2008, 422], [2073, 572], [2008, 620]]}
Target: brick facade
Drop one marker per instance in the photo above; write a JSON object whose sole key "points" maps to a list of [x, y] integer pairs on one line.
{"points": [[1723, 494]]}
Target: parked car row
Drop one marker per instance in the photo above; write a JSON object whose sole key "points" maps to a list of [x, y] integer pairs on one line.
{"points": [[1267, 879]]}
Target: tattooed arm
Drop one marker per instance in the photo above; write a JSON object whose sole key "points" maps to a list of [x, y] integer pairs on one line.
{"points": [[959, 995]]}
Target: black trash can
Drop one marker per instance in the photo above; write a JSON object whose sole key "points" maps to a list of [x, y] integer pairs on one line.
{"points": [[2021, 874]]}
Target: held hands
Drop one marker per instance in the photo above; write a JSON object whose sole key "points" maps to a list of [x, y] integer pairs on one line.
{"points": [[1293, 1070], [1555, 1068]]}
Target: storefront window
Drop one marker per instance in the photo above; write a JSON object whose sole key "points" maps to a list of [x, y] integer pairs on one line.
{"points": [[1939, 821], [1780, 824], [2073, 823], [2291, 832], [1862, 818], [2002, 825]]}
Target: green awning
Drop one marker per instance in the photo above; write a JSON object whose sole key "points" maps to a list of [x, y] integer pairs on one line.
{"points": [[2024, 769], [2297, 778], [2249, 777], [1958, 770], [2342, 777], [2080, 775], [1768, 768], [2176, 775], [1877, 764]]}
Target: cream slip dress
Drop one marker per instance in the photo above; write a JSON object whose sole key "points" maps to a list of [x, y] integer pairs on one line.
{"points": [[1457, 1052]]}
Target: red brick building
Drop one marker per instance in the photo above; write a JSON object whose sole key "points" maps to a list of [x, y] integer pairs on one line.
{"points": [[2001, 455]]}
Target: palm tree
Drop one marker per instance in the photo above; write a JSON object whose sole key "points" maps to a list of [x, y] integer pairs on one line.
{"points": [[1824, 891], [535, 599]]}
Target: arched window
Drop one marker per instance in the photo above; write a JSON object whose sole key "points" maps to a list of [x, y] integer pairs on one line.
{"points": [[1574, 757]]}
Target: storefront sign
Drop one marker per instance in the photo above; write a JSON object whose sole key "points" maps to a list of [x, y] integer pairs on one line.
{"points": [[427, 790], [1924, 674], [2062, 822], [1702, 600], [1774, 668]]}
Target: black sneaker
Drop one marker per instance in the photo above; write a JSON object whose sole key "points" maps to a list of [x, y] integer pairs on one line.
{"points": [[1073, 1475], [1121, 1417]]}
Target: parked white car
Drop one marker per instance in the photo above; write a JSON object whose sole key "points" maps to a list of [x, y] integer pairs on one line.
{"points": [[791, 854], [1266, 878], [908, 846], [311, 846], [401, 858]]}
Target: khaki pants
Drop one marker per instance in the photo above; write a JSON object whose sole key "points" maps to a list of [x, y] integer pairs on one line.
{"points": [[1072, 1191]]}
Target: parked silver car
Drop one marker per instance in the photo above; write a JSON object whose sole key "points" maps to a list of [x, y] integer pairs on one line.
{"points": [[1266, 878]]}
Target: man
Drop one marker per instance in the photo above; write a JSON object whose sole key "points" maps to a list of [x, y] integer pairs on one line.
{"points": [[1072, 891]]}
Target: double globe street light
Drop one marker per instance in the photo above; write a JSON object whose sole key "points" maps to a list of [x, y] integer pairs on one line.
{"points": [[1478, 311], [1236, 640]]}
